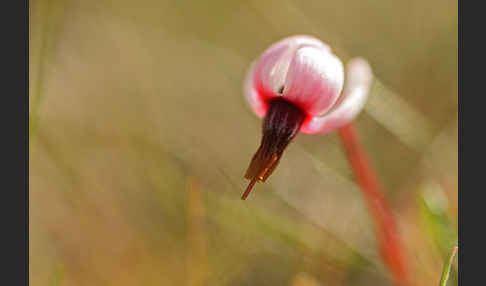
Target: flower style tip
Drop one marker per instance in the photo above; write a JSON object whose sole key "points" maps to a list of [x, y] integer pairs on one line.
{"points": [[296, 85]]}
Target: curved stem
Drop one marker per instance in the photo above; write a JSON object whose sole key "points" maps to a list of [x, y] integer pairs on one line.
{"points": [[391, 248]]}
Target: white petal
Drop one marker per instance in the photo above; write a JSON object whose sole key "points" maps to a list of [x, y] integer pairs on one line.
{"points": [[358, 81], [266, 76], [251, 94], [314, 79], [272, 66]]}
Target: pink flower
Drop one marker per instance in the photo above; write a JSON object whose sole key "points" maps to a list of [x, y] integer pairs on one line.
{"points": [[304, 71], [296, 85]]}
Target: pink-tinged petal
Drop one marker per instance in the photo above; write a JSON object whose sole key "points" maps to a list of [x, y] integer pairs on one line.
{"points": [[358, 81], [266, 76], [270, 70], [314, 80], [302, 40], [251, 94], [272, 66]]}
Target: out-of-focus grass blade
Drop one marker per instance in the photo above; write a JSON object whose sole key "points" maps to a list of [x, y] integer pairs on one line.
{"points": [[399, 117], [433, 210], [57, 275], [48, 18], [447, 268]]}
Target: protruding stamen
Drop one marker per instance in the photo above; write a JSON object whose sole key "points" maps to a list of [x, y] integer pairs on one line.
{"points": [[281, 124]]}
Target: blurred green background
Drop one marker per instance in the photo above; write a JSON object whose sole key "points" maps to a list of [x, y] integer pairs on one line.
{"points": [[140, 136]]}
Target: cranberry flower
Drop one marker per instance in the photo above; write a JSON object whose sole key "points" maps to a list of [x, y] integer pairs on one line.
{"points": [[296, 85]]}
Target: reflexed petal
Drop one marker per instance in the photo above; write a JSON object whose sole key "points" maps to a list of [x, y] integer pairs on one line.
{"points": [[302, 40], [271, 68], [358, 81], [314, 79], [251, 94]]}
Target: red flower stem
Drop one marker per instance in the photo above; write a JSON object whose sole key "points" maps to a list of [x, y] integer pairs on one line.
{"points": [[391, 248]]}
